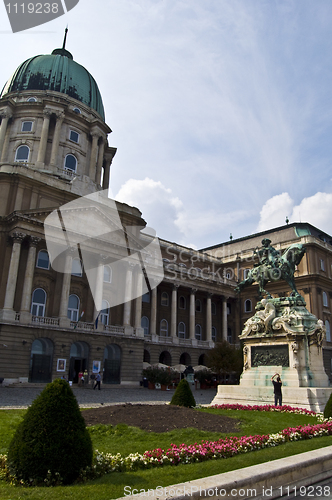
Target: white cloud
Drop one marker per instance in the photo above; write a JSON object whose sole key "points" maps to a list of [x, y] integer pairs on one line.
{"points": [[274, 212], [315, 210]]}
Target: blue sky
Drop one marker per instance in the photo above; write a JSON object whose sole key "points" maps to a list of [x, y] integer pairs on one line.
{"points": [[220, 110]]}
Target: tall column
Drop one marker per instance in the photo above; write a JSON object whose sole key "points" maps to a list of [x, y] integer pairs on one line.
{"points": [[174, 304], [63, 313], [99, 287], [138, 301], [93, 158], [56, 138], [100, 161], [106, 177], [28, 277], [5, 115], [224, 318], [128, 296], [153, 322], [208, 317], [192, 307], [12, 274], [44, 136]]}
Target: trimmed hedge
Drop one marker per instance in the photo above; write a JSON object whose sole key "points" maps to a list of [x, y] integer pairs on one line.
{"points": [[183, 395], [52, 439]]}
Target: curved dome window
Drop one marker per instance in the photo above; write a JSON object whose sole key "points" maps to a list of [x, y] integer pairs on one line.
{"points": [[70, 163], [26, 127], [22, 153], [77, 111], [74, 136], [31, 99]]}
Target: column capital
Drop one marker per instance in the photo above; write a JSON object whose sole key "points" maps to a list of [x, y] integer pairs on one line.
{"points": [[60, 115], [47, 112], [175, 286], [34, 240], [17, 236], [6, 113], [193, 291], [209, 295]]}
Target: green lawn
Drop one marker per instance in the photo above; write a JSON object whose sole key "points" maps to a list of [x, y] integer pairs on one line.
{"points": [[126, 440]]}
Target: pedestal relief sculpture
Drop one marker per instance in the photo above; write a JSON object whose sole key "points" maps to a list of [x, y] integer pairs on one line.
{"points": [[282, 336]]}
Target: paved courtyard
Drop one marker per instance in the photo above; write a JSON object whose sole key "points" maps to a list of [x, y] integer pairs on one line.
{"points": [[21, 397]]}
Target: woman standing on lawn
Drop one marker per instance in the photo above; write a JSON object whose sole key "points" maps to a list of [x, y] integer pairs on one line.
{"points": [[277, 389]]}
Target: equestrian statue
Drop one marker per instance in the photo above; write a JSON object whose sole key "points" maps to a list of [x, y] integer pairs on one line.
{"points": [[273, 266]]}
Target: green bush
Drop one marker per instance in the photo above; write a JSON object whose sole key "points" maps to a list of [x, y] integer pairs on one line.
{"points": [[52, 440], [183, 395], [328, 408]]}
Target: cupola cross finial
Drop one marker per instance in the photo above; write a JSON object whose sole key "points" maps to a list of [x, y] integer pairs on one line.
{"points": [[65, 38]]}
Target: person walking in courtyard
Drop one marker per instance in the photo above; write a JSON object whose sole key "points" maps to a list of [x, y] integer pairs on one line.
{"points": [[98, 379], [277, 389]]}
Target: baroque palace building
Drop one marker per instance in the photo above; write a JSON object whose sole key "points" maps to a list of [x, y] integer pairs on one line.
{"points": [[54, 150]]}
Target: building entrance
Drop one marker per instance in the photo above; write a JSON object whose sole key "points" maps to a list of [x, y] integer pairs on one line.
{"points": [[79, 359], [112, 364], [41, 361]]}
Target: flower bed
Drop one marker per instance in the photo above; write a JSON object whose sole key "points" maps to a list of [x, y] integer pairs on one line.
{"points": [[283, 408], [104, 463]]}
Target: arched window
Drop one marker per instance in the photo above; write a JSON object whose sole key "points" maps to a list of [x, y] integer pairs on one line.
{"points": [[76, 267], [105, 313], [73, 307], [198, 305], [198, 332], [22, 154], [38, 302], [70, 163], [328, 330], [107, 274], [247, 306], [145, 325], [214, 333], [214, 308], [164, 299], [181, 330], [43, 260], [182, 302], [31, 99], [163, 328], [325, 300]]}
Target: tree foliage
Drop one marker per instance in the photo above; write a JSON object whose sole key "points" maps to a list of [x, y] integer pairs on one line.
{"points": [[52, 438], [183, 395], [225, 358], [328, 408]]}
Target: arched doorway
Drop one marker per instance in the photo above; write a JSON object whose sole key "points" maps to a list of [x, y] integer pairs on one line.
{"points": [[165, 358], [185, 359], [112, 364], [41, 361], [146, 356], [79, 360], [202, 360]]}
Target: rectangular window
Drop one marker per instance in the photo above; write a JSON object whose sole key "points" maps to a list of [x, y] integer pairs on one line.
{"points": [[74, 136], [322, 264], [26, 127]]}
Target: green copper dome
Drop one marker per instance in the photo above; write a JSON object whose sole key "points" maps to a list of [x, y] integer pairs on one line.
{"points": [[59, 72]]}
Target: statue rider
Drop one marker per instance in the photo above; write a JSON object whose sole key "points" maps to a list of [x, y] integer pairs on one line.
{"points": [[267, 255]]}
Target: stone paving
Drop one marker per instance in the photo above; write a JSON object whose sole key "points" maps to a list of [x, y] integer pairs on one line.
{"points": [[22, 397]]}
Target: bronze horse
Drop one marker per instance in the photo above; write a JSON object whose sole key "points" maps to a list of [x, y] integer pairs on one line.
{"points": [[283, 269]]}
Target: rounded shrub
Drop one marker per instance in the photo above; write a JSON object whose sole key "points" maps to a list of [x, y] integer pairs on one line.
{"points": [[52, 440], [183, 395], [328, 408]]}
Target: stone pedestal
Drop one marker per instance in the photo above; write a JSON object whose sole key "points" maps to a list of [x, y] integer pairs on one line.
{"points": [[282, 337]]}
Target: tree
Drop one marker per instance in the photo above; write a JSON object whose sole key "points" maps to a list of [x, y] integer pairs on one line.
{"points": [[225, 358], [52, 438], [183, 395], [328, 408]]}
